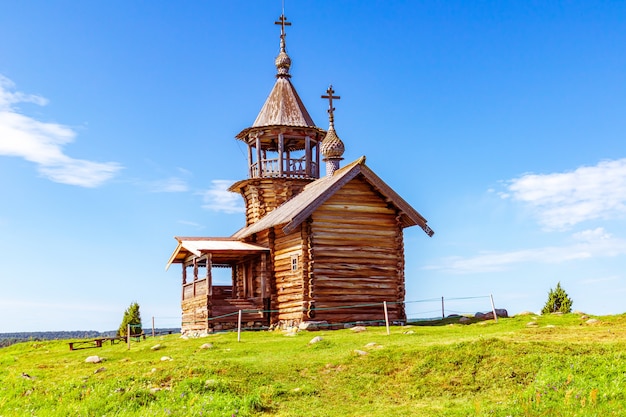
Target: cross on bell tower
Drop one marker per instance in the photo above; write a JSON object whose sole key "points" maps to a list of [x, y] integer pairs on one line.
{"points": [[332, 147], [283, 144]]}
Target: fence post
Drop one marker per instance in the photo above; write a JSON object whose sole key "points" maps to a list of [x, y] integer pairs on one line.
{"points": [[152, 326], [493, 308], [386, 316], [239, 327], [443, 314], [128, 335]]}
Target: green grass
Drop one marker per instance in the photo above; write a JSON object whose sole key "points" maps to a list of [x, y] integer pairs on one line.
{"points": [[561, 367]]}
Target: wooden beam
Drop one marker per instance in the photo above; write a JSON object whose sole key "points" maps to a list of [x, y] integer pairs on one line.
{"points": [[307, 155], [258, 157], [209, 275], [250, 171], [281, 149]]}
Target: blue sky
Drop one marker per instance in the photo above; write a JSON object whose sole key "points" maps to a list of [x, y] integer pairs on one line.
{"points": [[503, 123]]}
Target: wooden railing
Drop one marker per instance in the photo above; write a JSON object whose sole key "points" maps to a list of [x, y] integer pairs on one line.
{"points": [[295, 168], [199, 288]]}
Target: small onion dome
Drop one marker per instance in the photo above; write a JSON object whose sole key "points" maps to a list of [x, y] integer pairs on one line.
{"points": [[283, 63], [332, 146]]}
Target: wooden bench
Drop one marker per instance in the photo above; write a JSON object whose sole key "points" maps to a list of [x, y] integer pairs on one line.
{"points": [[93, 343]]}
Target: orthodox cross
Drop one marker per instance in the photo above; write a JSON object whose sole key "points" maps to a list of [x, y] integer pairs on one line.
{"points": [[331, 109], [282, 21]]}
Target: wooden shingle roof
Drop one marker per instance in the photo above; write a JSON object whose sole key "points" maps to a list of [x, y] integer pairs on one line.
{"points": [[283, 107], [295, 211], [222, 249]]}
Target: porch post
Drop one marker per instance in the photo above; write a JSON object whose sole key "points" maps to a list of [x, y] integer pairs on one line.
{"points": [[263, 276], [209, 290], [195, 275], [182, 297]]}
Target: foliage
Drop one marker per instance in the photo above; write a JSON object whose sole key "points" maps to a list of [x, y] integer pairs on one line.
{"points": [[560, 366], [132, 317], [558, 301]]}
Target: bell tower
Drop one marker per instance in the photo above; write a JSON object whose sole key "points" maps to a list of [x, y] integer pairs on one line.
{"points": [[283, 144]]}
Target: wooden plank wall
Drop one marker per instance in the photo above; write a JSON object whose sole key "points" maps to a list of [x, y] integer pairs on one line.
{"points": [[288, 294], [358, 255]]}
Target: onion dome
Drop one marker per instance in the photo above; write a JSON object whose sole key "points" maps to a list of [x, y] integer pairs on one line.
{"points": [[332, 146], [283, 63]]}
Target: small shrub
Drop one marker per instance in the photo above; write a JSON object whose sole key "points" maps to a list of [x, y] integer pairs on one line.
{"points": [[558, 301], [132, 317]]}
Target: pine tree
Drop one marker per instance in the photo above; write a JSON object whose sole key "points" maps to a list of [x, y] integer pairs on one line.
{"points": [[132, 317], [558, 301]]}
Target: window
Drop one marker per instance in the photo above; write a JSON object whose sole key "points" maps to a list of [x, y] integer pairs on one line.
{"points": [[294, 262]]}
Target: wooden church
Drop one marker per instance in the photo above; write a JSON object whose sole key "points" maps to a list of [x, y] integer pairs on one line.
{"points": [[312, 245]]}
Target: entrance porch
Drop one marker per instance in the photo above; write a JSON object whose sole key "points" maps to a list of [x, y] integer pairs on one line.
{"points": [[207, 307]]}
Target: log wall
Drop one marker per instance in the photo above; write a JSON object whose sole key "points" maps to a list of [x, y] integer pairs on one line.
{"points": [[195, 314], [262, 195], [287, 296], [357, 256]]}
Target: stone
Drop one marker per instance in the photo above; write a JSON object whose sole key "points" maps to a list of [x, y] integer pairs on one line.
{"points": [[500, 312], [465, 320], [207, 346], [526, 313], [93, 359], [409, 332], [360, 352], [312, 325], [358, 329], [532, 324], [156, 347], [316, 339], [549, 326], [102, 369], [592, 321], [155, 390], [165, 358], [372, 345]]}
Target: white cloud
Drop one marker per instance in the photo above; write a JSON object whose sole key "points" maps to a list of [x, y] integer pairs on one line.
{"points": [[169, 185], [561, 200], [42, 143], [587, 244], [218, 198]]}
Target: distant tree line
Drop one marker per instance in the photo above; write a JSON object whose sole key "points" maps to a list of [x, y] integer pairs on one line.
{"points": [[8, 339]]}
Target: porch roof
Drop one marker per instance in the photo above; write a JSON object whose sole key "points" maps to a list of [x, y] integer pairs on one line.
{"points": [[222, 250]]}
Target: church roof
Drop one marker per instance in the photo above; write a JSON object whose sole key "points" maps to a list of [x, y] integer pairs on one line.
{"points": [[223, 250], [295, 211], [283, 107]]}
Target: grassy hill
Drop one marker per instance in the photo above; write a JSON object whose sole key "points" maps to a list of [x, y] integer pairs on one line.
{"points": [[555, 366]]}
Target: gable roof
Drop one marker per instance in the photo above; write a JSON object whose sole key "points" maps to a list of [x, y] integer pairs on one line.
{"points": [[295, 211], [222, 250]]}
